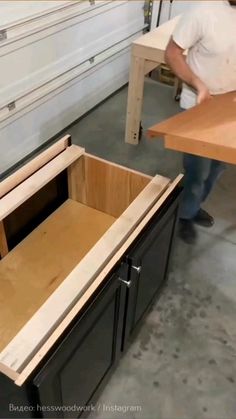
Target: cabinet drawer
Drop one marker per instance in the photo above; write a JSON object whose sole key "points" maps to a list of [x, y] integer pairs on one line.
{"points": [[64, 260]]}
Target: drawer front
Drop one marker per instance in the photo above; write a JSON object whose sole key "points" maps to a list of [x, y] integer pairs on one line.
{"points": [[77, 369], [149, 261]]}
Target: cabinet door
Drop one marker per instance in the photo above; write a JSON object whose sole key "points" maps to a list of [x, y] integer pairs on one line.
{"points": [[149, 261], [78, 367]]}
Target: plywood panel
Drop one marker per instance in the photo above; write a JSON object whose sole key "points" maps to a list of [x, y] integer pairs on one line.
{"points": [[35, 268], [109, 187], [207, 130]]}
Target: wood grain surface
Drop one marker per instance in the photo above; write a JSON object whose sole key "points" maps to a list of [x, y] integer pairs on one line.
{"points": [[207, 130], [33, 270], [105, 186]]}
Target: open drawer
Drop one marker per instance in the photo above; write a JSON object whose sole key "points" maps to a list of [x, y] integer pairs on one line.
{"points": [[207, 130], [47, 277]]}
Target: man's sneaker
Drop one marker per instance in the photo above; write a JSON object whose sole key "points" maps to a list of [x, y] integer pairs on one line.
{"points": [[187, 231], [204, 219]]}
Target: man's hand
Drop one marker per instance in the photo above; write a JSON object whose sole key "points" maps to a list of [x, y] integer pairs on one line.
{"points": [[203, 93]]}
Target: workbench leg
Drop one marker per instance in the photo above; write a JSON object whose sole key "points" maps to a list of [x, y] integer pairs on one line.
{"points": [[177, 89], [135, 100]]}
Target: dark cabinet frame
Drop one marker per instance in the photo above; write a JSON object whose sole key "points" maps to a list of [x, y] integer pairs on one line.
{"points": [[159, 233]]}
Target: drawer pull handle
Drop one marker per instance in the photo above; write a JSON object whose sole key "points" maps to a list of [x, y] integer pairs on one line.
{"points": [[127, 283], [137, 269]]}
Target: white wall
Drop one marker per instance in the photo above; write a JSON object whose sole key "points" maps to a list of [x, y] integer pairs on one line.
{"points": [[180, 6], [13, 11]]}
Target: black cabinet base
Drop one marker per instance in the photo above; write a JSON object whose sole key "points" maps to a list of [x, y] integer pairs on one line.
{"points": [[76, 370]]}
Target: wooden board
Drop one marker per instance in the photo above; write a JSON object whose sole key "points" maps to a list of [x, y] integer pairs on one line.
{"points": [[15, 356], [107, 186], [34, 183], [207, 130], [39, 264]]}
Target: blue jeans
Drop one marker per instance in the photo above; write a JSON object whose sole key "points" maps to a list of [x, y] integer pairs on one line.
{"points": [[201, 175]]}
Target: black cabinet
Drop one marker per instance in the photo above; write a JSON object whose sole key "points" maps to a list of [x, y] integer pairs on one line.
{"points": [[77, 369], [81, 362], [148, 262]]}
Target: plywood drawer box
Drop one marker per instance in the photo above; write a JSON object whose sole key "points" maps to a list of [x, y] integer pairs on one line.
{"points": [[68, 222]]}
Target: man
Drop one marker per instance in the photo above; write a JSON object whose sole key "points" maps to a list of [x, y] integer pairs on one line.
{"points": [[208, 32]]}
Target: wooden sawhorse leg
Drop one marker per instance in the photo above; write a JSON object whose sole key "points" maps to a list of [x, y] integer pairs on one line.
{"points": [[139, 68], [135, 100]]}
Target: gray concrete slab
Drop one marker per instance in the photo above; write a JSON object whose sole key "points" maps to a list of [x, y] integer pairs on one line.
{"points": [[183, 363]]}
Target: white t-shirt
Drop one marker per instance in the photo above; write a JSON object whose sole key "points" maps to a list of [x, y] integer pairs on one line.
{"points": [[208, 32]]}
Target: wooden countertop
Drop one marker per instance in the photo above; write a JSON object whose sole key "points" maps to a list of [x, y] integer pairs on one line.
{"points": [[36, 267], [207, 130]]}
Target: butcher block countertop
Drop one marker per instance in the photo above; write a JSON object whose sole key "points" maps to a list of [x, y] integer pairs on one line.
{"points": [[207, 130]]}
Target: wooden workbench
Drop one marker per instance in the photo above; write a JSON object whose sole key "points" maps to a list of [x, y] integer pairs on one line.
{"points": [[147, 53], [207, 130]]}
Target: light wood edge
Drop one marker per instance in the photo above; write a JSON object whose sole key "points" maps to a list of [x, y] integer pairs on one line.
{"points": [[195, 147], [149, 53], [23, 346], [22, 377], [200, 148], [135, 172], [135, 99], [38, 180], [3, 241], [9, 372], [28, 169]]}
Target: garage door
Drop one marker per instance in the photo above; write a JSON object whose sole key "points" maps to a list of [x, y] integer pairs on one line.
{"points": [[58, 59]]}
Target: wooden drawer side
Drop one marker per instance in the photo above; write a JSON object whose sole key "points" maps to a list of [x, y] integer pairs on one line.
{"points": [[105, 186]]}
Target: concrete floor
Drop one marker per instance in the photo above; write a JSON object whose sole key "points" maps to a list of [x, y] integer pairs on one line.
{"points": [[183, 362]]}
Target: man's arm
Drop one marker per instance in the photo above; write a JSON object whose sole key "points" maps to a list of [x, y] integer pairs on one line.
{"points": [[176, 60]]}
